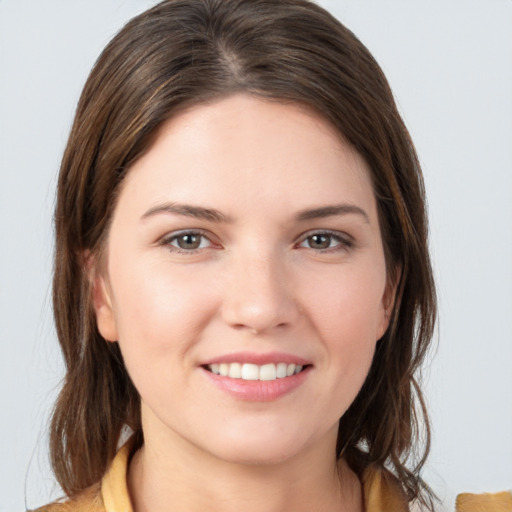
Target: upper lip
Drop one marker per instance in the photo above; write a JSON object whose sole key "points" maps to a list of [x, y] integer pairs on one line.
{"points": [[258, 359]]}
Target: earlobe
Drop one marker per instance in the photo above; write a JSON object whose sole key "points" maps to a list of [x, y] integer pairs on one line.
{"points": [[105, 318], [384, 324], [101, 302], [388, 302]]}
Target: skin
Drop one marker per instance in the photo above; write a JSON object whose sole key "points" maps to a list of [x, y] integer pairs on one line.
{"points": [[260, 280]]}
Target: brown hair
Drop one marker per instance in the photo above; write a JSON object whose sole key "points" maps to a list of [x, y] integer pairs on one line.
{"points": [[184, 52]]}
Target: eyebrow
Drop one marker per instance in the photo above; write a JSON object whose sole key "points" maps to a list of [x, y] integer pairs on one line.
{"points": [[212, 215], [197, 212], [330, 211]]}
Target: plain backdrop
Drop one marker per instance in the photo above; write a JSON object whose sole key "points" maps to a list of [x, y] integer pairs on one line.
{"points": [[450, 65]]}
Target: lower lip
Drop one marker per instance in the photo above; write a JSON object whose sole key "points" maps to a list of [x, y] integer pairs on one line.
{"points": [[258, 390]]}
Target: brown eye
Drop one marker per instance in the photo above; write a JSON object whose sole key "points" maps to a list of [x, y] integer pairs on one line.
{"points": [[188, 241], [319, 241], [326, 242]]}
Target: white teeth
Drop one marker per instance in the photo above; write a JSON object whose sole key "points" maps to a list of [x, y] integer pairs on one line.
{"points": [[268, 372], [281, 370], [248, 371], [235, 370]]}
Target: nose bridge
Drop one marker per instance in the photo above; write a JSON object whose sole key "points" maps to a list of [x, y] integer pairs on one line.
{"points": [[258, 296]]}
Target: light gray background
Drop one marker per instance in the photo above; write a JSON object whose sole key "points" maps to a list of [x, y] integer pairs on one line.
{"points": [[450, 65]]}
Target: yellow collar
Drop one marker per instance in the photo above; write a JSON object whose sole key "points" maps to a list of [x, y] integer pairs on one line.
{"points": [[114, 488], [381, 490]]}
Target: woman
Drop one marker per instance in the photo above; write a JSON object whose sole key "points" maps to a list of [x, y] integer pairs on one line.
{"points": [[242, 275]]}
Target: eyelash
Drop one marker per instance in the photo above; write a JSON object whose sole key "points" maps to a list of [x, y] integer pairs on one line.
{"points": [[168, 241], [343, 242]]}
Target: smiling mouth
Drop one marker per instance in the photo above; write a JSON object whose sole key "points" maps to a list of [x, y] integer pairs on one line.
{"points": [[249, 371]]}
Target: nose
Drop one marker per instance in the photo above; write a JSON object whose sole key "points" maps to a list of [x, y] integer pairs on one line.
{"points": [[258, 296]]}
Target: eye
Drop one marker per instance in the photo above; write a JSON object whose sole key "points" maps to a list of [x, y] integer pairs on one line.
{"points": [[325, 241], [187, 241]]}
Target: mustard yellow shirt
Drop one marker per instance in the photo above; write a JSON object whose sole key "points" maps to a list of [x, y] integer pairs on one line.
{"points": [[381, 492]]}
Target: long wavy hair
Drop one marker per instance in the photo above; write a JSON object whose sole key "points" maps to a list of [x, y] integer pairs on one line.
{"points": [[187, 52]]}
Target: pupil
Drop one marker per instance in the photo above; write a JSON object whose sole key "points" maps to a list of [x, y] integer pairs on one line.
{"points": [[188, 242], [320, 241]]}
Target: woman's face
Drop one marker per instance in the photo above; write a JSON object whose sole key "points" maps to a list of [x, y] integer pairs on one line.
{"points": [[245, 280]]}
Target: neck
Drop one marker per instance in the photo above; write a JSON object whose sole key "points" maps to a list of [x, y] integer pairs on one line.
{"points": [[181, 477]]}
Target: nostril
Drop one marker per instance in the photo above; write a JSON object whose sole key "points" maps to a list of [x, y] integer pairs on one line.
{"points": [[258, 312]]}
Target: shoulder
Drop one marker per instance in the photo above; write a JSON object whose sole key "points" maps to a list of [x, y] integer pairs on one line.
{"points": [[382, 491], [497, 502], [89, 500], [111, 492]]}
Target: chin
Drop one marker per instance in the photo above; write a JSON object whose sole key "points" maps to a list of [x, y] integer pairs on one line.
{"points": [[261, 446], [258, 454]]}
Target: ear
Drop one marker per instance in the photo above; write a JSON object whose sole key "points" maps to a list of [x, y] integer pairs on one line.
{"points": [[388, 301], [101, 297]]}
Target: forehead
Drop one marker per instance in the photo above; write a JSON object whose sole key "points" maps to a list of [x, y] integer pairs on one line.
{"points": [[250, 148]]}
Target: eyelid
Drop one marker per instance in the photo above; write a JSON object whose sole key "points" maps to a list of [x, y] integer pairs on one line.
{"points": [[346, 241], [170, 237]]}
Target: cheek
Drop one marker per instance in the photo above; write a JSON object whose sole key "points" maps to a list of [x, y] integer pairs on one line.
{"points": [[347, 314], [346, 304], [157, 310], [160, 317]]}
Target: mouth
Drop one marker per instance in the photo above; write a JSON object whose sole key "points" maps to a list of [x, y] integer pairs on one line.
{"points": [[253, 377], [253, 372]]}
